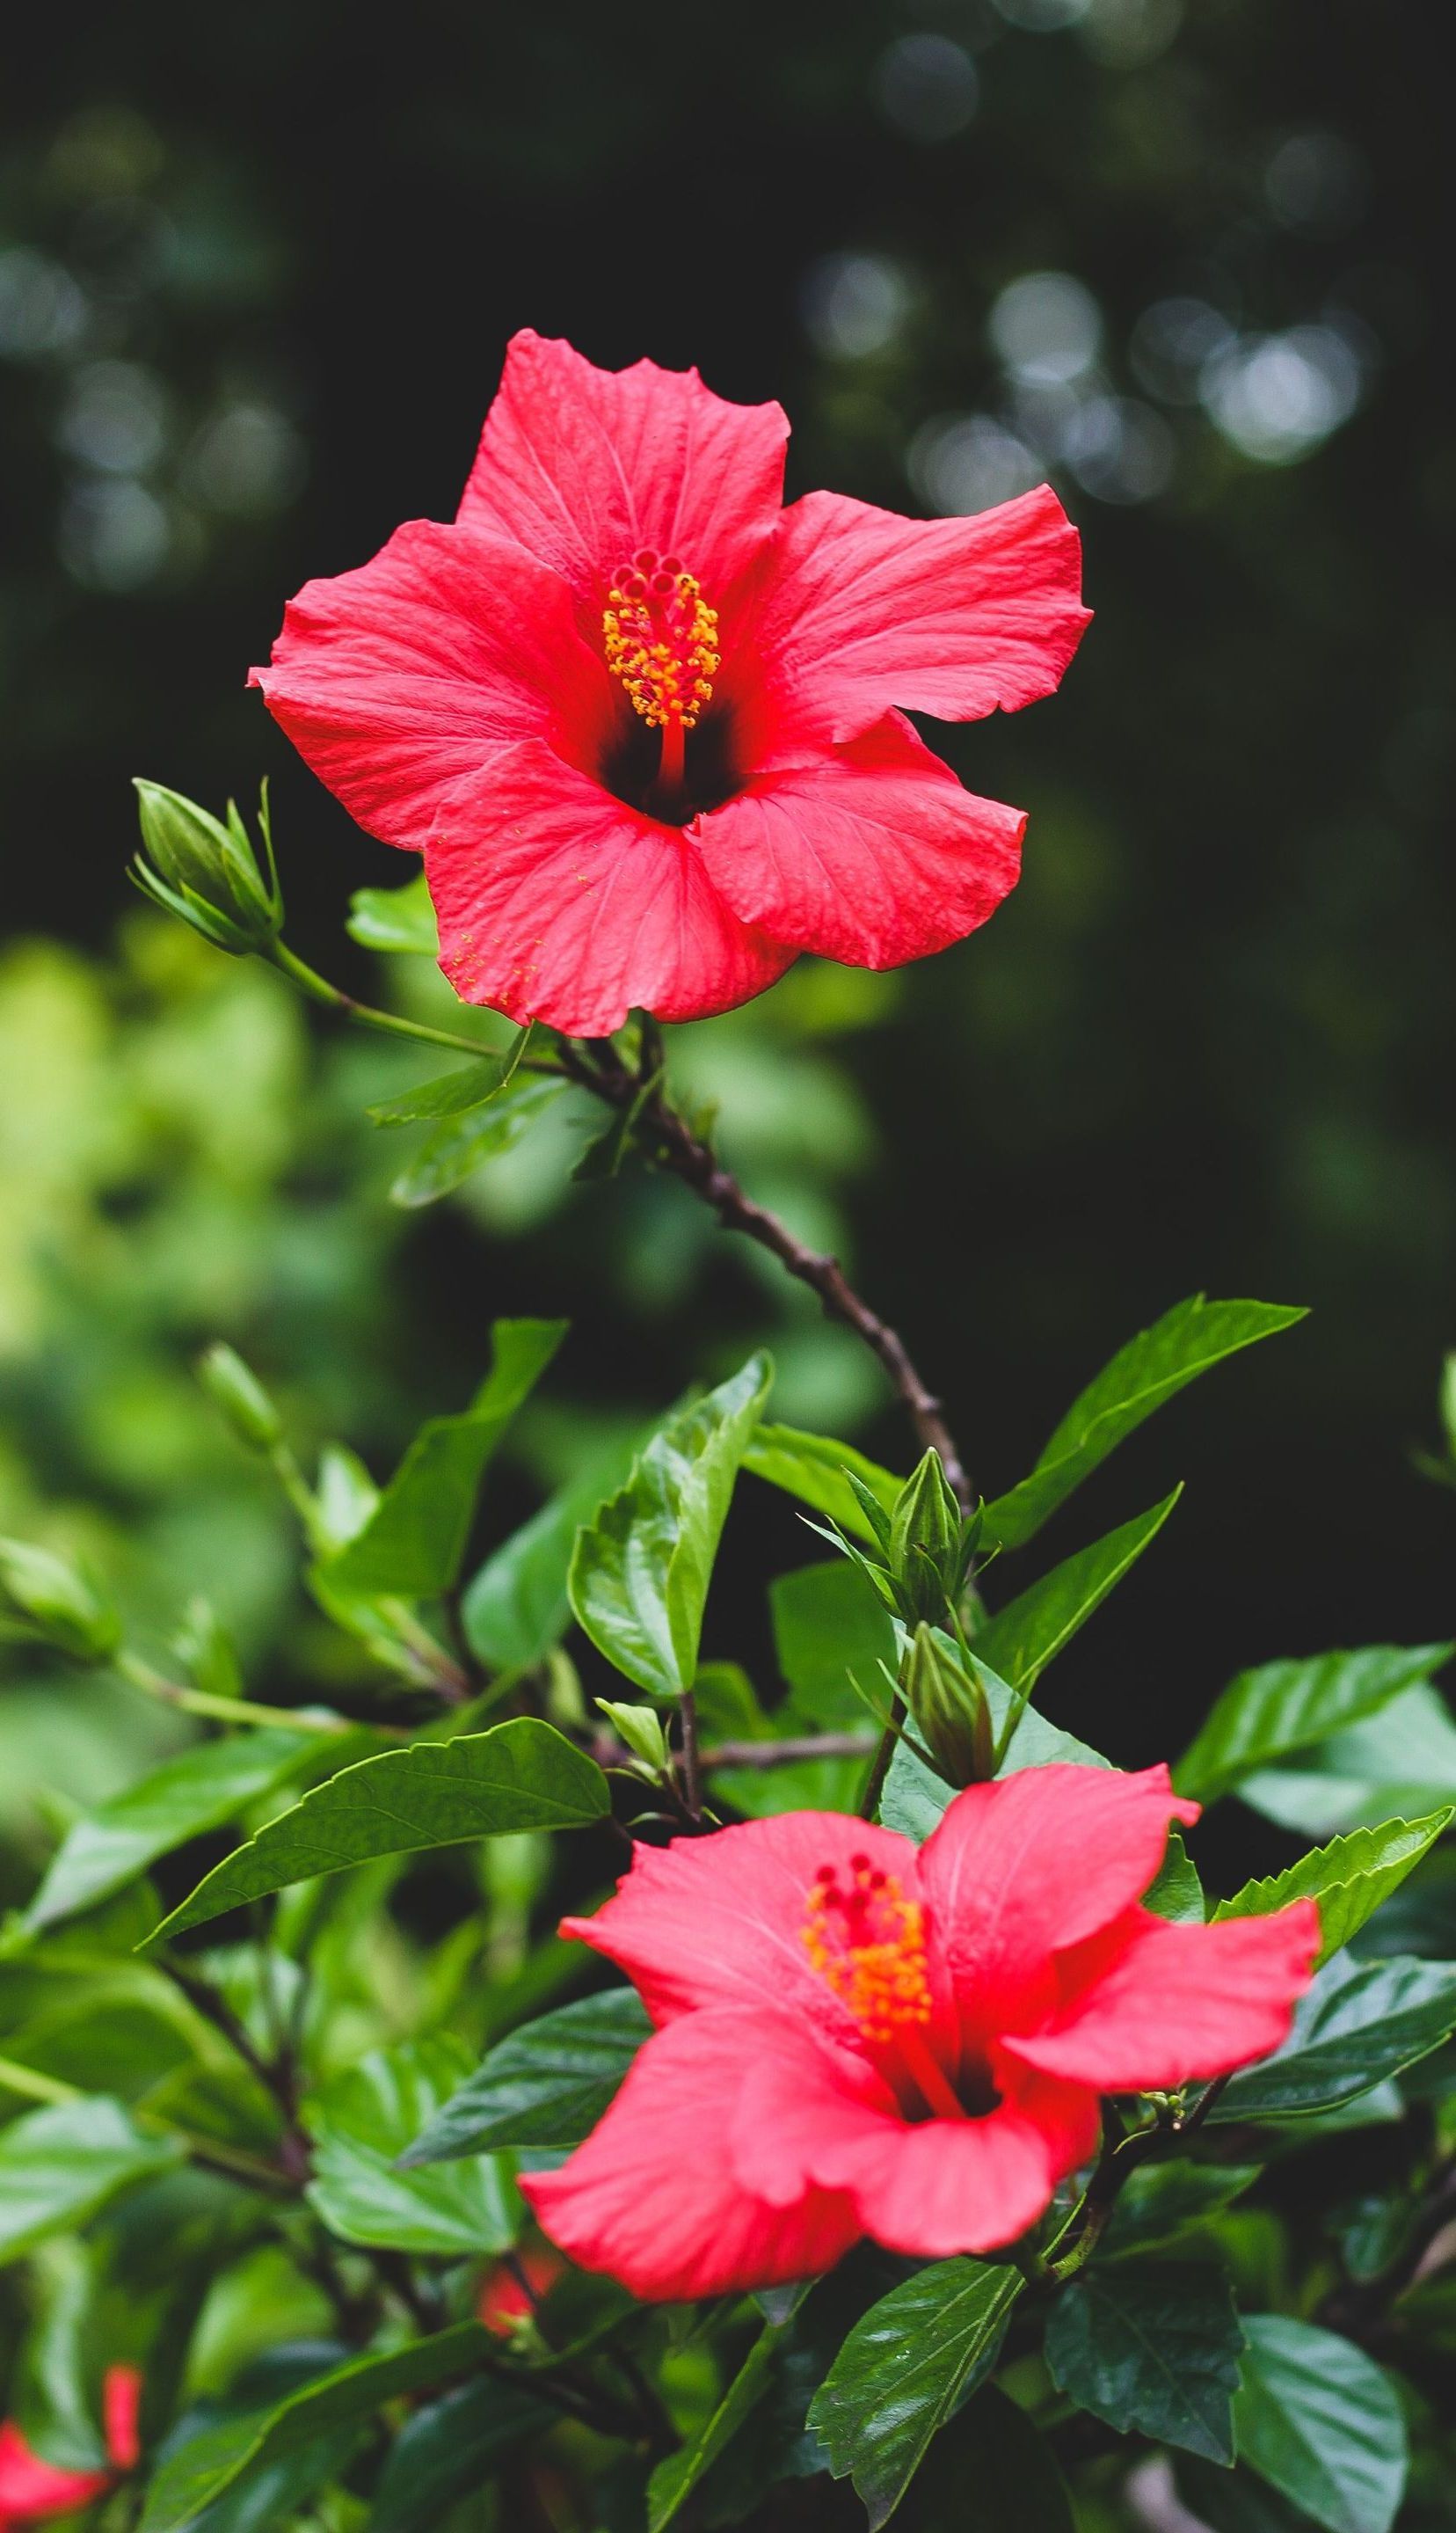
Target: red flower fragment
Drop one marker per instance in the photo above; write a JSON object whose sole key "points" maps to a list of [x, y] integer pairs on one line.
{"points": [[33, 2491], [641, 721], [859, 2037]]}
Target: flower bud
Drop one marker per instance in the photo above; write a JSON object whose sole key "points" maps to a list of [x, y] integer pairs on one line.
{"points": [[43, 1598], [241, 1397], [208, 874], [927, 1538], [641, 1729], [947, 1707]]}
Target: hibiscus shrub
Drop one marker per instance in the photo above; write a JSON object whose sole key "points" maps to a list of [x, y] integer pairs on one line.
{"points": [[947, 2152]]}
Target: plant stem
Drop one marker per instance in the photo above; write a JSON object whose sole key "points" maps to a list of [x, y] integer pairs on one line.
{"points": [[869, 1801], [692, 1159], [692, 1772], [221, 1710], [789, 1752], [369, 1016]]}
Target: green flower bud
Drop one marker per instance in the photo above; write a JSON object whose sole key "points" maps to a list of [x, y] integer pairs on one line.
{"points": [[641, 1729], [208, 874], [927, 1537], [50, 1602], [242, 1398], [949, 1710]]}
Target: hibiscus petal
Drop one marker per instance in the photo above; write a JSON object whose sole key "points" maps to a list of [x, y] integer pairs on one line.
{"points": [[933, 2187], [875, 854], [558, 902], [394, 680], [855, 609], [652, 2197], [1159, 2005], [585, 466], [30, 2488], [719, 1921], [1023, 1867]]}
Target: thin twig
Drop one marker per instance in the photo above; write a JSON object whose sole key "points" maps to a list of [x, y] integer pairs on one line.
{"points": [[692, 1772], [692, 1159], [789, 1752]]}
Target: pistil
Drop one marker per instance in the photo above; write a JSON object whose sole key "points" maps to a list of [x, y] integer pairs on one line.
{"points": [[661, 640]]}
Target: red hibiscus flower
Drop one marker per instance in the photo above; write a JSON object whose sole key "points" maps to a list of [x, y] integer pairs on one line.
{"points": [[510, 2290], [856, 2037], [640, 720], [33, 2491]]}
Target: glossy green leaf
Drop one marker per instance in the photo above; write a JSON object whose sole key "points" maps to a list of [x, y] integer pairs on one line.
{"points": [[641, 1570], [1155, 2349], [904, 2369], [1360, 2023], [456, 1093], [1019, 1640], [1286, 1706], [1348, 1878], [516, 1608], [915, 1797], [544, 2085], [58, 2166], [992, 2472], [394, 918], [1176, 1893], [1392, 1767], [461, 1146], [1322, 2422], [831, 1631], [674, 2479], [416, 1536], [1160, 2200], [450, 2450], [812, 1467], [1150, 1368], [520, 1774], [361, 2122], [199, 1790], [197, 2471]]}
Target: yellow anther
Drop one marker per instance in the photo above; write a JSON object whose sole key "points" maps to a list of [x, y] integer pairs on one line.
{"points": [[660, 642], [867, 1942]]}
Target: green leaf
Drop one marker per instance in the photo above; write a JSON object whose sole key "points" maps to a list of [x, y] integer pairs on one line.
{"points": [[675, 2478], [449, 2450], [197, 2472], [1154, 2349], [198, 1790], [60, 2164], [1393, 1766], [1286, 1705], [414, 1539], [1019, 1640], [394, 918], [915, 1797], [1176, 1893], [1322, 2424], [515, 1608], [520, 1774], [1360, 2023], [812, 1467], [1348, 1878], [461, 1146], [456, 1094], [831, 1631], [903, 2371], [992, 2473], [1160, 2200], [1151, 1368], [360, 2123], [544, 2085], [641, 1570]]}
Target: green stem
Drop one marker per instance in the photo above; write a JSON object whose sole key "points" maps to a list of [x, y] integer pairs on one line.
{"points": [[319, 990], [53, 2092], [220, 1710]]}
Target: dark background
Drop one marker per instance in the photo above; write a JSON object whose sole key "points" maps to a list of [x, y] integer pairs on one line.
{"points": [[257, 271]]}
